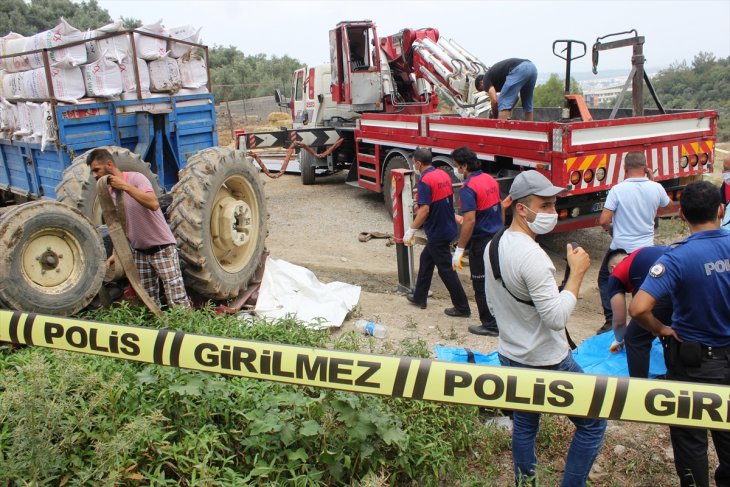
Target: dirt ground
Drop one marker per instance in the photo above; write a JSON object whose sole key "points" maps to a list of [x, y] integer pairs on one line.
{"points": [[318, 226]]}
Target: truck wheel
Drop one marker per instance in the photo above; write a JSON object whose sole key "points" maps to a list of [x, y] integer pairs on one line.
{"points": [[52, 259], [396, 162], [218, 215], [78, 186], [307, 164]]}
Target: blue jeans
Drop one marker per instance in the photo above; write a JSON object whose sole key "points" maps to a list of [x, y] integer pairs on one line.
{"points": [[521, 80], [583, 450]]}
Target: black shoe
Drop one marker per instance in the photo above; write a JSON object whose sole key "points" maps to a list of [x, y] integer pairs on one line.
{"points": [[456, 313], [606, 327], [484, 330], [411, 300]]}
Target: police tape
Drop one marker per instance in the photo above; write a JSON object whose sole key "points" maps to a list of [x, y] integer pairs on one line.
{"points": [[535, 390]]}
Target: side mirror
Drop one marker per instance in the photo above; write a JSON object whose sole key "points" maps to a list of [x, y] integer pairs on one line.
{"points": [[280, 99]]}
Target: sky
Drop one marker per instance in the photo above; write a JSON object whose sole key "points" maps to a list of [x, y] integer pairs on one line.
{"points": [[489, 29]]}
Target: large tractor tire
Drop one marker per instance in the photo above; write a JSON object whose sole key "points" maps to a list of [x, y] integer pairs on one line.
{"points": [[218, 215], [307, 165], [51, 259], [396, 162], [78, 187]]}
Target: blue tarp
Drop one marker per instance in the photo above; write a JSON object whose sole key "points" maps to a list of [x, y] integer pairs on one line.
{"points": [[592, 355]]}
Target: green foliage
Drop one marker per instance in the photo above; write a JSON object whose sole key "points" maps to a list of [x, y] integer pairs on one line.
{"points": [[39, 15], [236, 76], [75, 419], [551, 93], [703, 84]]}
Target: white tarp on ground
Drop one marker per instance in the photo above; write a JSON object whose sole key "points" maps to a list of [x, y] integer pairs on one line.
{"points": [[288, 289]]}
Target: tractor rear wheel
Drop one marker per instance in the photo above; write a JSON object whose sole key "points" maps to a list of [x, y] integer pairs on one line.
{"points": [[218, 215], [396, 162], [51, 259], [78, 187]]}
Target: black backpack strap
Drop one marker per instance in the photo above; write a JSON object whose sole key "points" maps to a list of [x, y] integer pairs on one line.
{"points": [[494, 263]]}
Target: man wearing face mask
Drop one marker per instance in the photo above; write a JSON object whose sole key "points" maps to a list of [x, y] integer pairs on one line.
{"points": [[436, 214], [481, 210], [532, 314]]}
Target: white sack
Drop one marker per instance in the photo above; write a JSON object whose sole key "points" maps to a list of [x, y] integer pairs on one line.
{"points": [[24, 126], [193, 72], [7, 118], [103, 78], [192, 91], [68, 84], [132, 95], [115, 48], [60, 35], [165, 75], [36, 121], [48, 130], [13, 43], [184, 33], [129, 82], [290, 289], [150, 48], [13, 85]]}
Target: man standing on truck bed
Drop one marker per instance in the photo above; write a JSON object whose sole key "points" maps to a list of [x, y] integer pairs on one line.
{"points": [[628, 215], [153, 244], [436, 214], [510, 78], [481, 211]]}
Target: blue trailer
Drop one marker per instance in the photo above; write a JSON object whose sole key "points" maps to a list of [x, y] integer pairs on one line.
{"points": [[51, 254]]}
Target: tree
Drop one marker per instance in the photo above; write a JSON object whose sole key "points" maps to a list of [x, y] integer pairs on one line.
{"points": [[39, 15], [551, 93]]}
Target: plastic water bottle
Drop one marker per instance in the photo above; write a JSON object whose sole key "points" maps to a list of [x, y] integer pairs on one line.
{"points": [[370, 328]]}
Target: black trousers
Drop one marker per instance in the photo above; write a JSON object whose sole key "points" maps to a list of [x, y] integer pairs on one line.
{"points": [[476, 265], [638, 340], [690, 444], [438, 255], [603, 288]]}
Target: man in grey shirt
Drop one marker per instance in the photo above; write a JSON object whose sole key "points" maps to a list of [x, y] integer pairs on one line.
{"points": [[532, 314]]}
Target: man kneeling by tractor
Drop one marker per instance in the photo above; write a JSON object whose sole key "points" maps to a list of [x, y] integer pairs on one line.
{"points": [[153, 244]]}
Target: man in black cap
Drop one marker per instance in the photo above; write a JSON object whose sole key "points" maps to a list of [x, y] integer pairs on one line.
{"points": [[436, 214], [532, 313]]}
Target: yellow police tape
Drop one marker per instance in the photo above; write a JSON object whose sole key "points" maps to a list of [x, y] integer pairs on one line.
{"points": [[617, 398]]}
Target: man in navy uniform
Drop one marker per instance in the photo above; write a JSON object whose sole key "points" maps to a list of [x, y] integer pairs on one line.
{"points": [[436, 214], [696, 274]]}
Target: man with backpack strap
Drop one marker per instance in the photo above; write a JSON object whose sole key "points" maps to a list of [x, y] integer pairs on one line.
{"points": [[532, 314]]}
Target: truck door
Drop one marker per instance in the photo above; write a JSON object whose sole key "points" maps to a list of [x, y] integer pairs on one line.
{"points": [[356, 77], [300, 115]]}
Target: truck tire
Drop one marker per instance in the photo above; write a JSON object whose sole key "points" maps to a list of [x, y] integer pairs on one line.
{"points": [[307, 164], [218, 215], [396, 162], [78, 186], [52, 259]]}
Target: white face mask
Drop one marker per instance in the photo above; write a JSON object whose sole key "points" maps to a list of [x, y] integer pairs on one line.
{"points": [[544, 222], [459, 175]]}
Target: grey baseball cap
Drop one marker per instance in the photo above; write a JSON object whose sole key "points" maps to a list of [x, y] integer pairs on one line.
{"points": [[532, 183]]}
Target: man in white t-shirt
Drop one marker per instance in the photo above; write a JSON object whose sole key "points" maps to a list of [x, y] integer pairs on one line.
{"points": [[628, 215], [532, 313]]}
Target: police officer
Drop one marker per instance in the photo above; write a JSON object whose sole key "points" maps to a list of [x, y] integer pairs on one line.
{"points": [[436, 214], [481, 210], [696, 274]]}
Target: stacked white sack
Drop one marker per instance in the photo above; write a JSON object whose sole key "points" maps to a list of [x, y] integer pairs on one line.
{"points": [[13, 43], [193, 72], [115, 48], [150, 48], [24, 126], [68, 84], [165, 76], [129, 81], [184, 33], [62, 34], [103, 78], [13, 85]]}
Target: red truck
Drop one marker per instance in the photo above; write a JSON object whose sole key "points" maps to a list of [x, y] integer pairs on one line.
{"points": [[378, 99]]}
